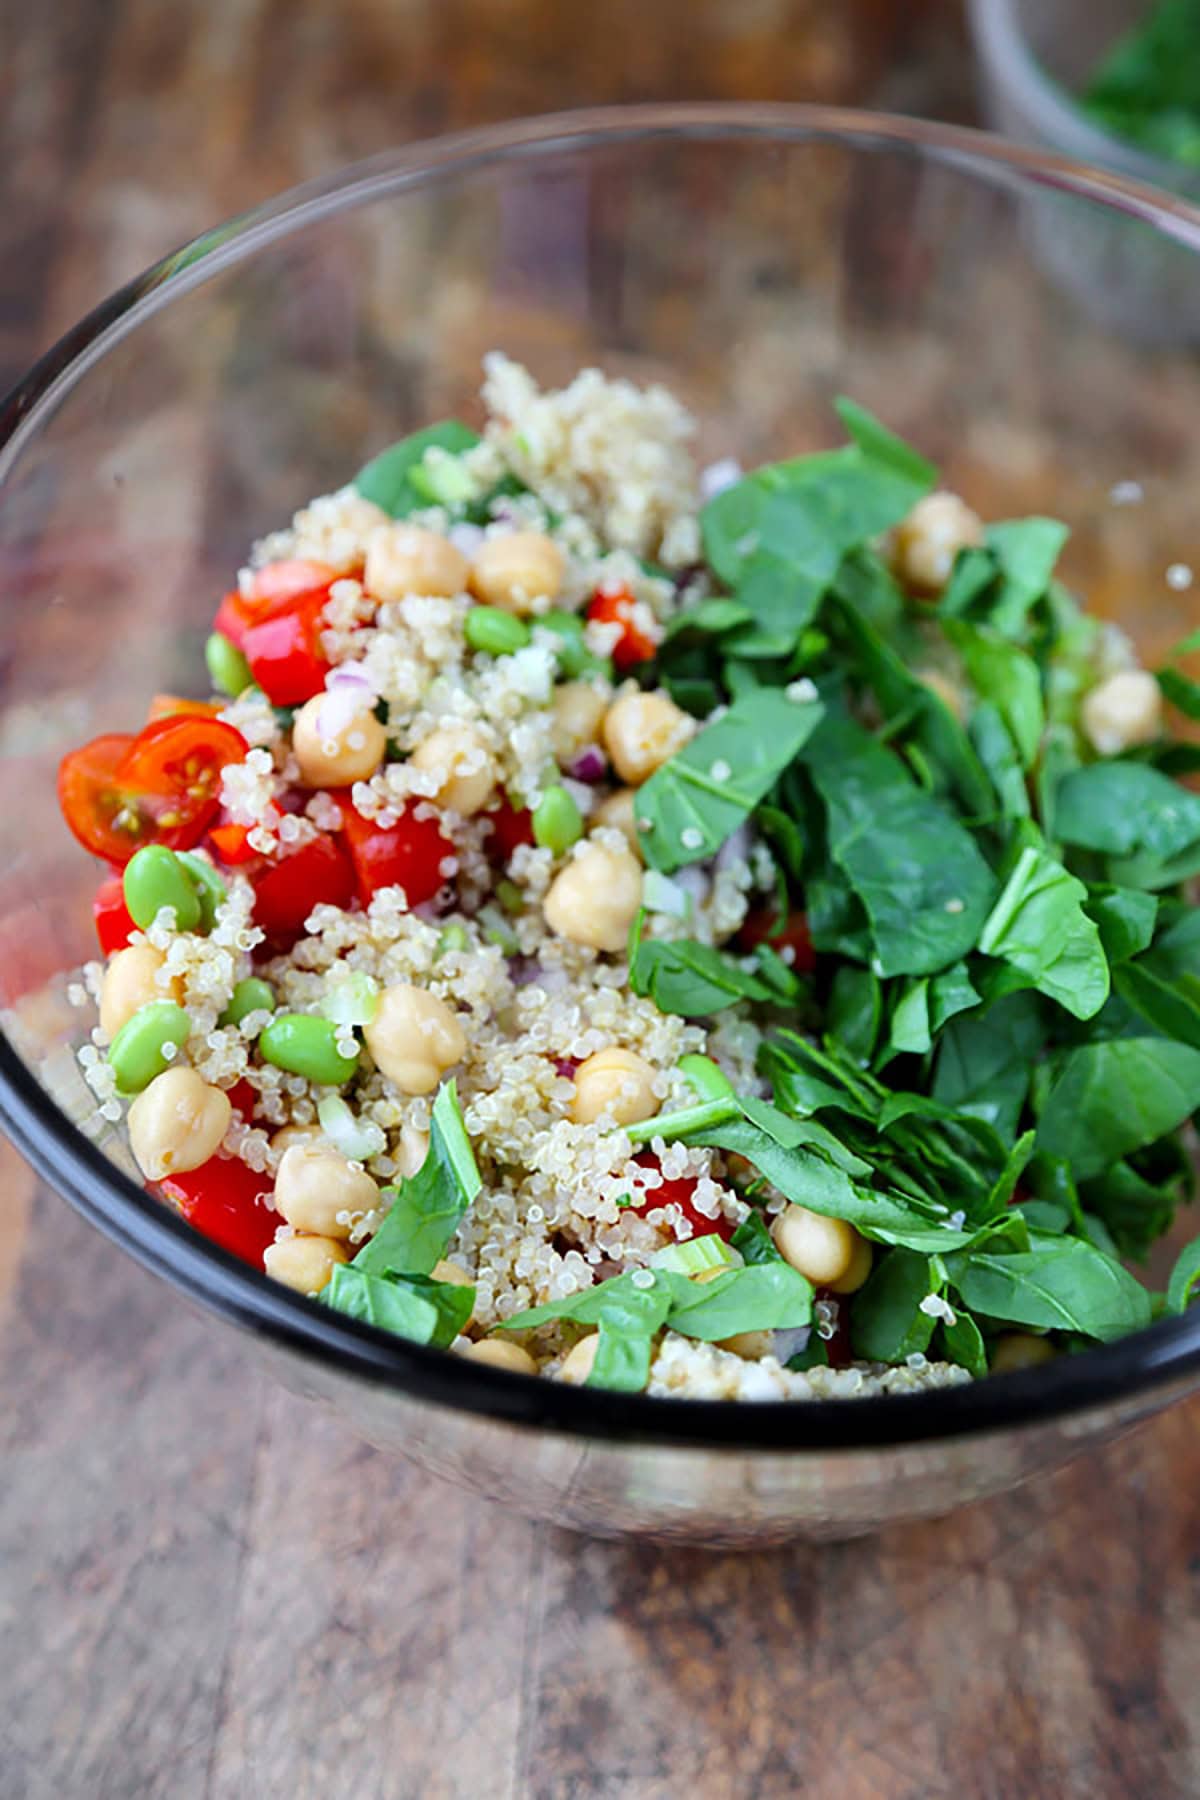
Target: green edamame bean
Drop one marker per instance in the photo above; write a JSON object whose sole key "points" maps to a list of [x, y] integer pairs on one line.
{"points": [[228, 668], [304, 1045], [154, 878], [250, 995], [494, 631], [557, 821], [702, 1074], [210, 889], [136, 1054], [574, 657]]}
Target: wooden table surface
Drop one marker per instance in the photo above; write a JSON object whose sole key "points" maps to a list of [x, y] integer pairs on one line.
{"points": [[207, 1589]]}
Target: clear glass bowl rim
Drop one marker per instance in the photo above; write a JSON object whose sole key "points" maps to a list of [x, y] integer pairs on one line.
{"points": [[1165, 1352]]}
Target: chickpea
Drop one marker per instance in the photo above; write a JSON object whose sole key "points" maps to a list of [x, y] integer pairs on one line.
{"points": [[927, 542], [1124, 710], [287, 1135], [411, 1151], [335, 759], [1019, 1350], [414, 1038], [860, 1267], [516, 568], [449, 1272], [751, 1346], [177, 1123], [129, 984], [501, 1354], [577, 1363], [303, 1263], [314, 1184], [579, 709], [641, 731], [594, 899], [821, 1249], [618, 812], [467, 767], [616, 1083], [407, 559]]}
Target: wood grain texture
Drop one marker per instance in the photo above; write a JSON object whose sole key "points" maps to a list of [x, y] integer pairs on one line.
{"points": [[209, 1590]]}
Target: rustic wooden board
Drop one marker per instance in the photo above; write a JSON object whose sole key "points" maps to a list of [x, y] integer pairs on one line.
{"points": [[207, 1589]]}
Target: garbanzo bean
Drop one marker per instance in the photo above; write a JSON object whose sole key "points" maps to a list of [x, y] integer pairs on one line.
{"points": [[314, 1184], [641, 731], [821, 1249], [501, 1355], [129, 984], [458, 754], [353, 753], [1122, 711], [577, 1363], [860, 1268], [927, 542], [619, 813], [414, 1038], [615, 1082], [303, 1263], [579, 708], [406, 559], [751, 1346], [594, 899], [411, 1151], [287, 1135], [177, 1123], [515, 568], [1019, 1350]]}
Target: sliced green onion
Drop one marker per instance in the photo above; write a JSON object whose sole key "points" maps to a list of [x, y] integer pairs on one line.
{"points": [[451, 937], [697, 1255], [357, 1139], [441, 478], [679, 1124], [510, 897], [228, 669], [351, 999], [557, 821], [497, 930], [702, 1074], [662, 895]]}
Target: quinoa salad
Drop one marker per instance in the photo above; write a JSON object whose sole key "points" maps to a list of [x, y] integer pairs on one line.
{"points": [[703, 933]]}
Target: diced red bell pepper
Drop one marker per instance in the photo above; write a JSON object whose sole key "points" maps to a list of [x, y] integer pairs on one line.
{"points": [[223, 1200], [285, 655], [287, 889], [616, 606], [275, 588], [407, 854], [243, 1097], [114, 927], [762, 927], [230, 846], [679, 1192], [512, 826]]}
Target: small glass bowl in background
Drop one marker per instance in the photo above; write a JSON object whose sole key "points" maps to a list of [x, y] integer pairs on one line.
{"points": [[1034, 57]]}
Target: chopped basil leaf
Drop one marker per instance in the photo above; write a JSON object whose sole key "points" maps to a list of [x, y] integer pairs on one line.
{"points": [[1184, 1278], [391, 479], [1108, 1099], [1039, 928], [1061, 1283], [427, 1207], [426, 1312]]}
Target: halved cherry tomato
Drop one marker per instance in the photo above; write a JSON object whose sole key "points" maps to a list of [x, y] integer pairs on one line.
{"points": [[838, 1347], [162, 787], [243, 1097], [114, 927], [762, 927], [167, 706], [230, 844], [679, 1193], [512, 826], [287, 889], [285, 655], [222, 1200], [616, 606], [407, 854], [274, 588]]}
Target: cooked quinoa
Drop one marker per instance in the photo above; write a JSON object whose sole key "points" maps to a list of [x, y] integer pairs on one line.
{"points": [[504, 845]]}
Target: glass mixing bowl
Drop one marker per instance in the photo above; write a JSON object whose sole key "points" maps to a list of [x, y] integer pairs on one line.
{"points": [[759, 260]]}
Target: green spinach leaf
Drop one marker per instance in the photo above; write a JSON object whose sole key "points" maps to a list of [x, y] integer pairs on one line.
{"points": [[427, 1207]]}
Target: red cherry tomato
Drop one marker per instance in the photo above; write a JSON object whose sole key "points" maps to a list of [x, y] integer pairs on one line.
{"points": [[407, 854], [617, 607], [168, 706], [275, 588], [285, 655], [512, 826], [223, 1199], [287, 889], [161, 787], [114, 927], [679, 1193], [763, 928]]}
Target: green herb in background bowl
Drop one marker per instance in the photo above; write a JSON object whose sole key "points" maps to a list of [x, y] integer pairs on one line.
{"points": [[1147, 89]]}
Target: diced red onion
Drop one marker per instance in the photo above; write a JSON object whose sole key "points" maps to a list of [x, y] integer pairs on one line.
{"points": [[349, 692], [591, 765], [566, 1067], [736, 848], [790, 1341]]}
